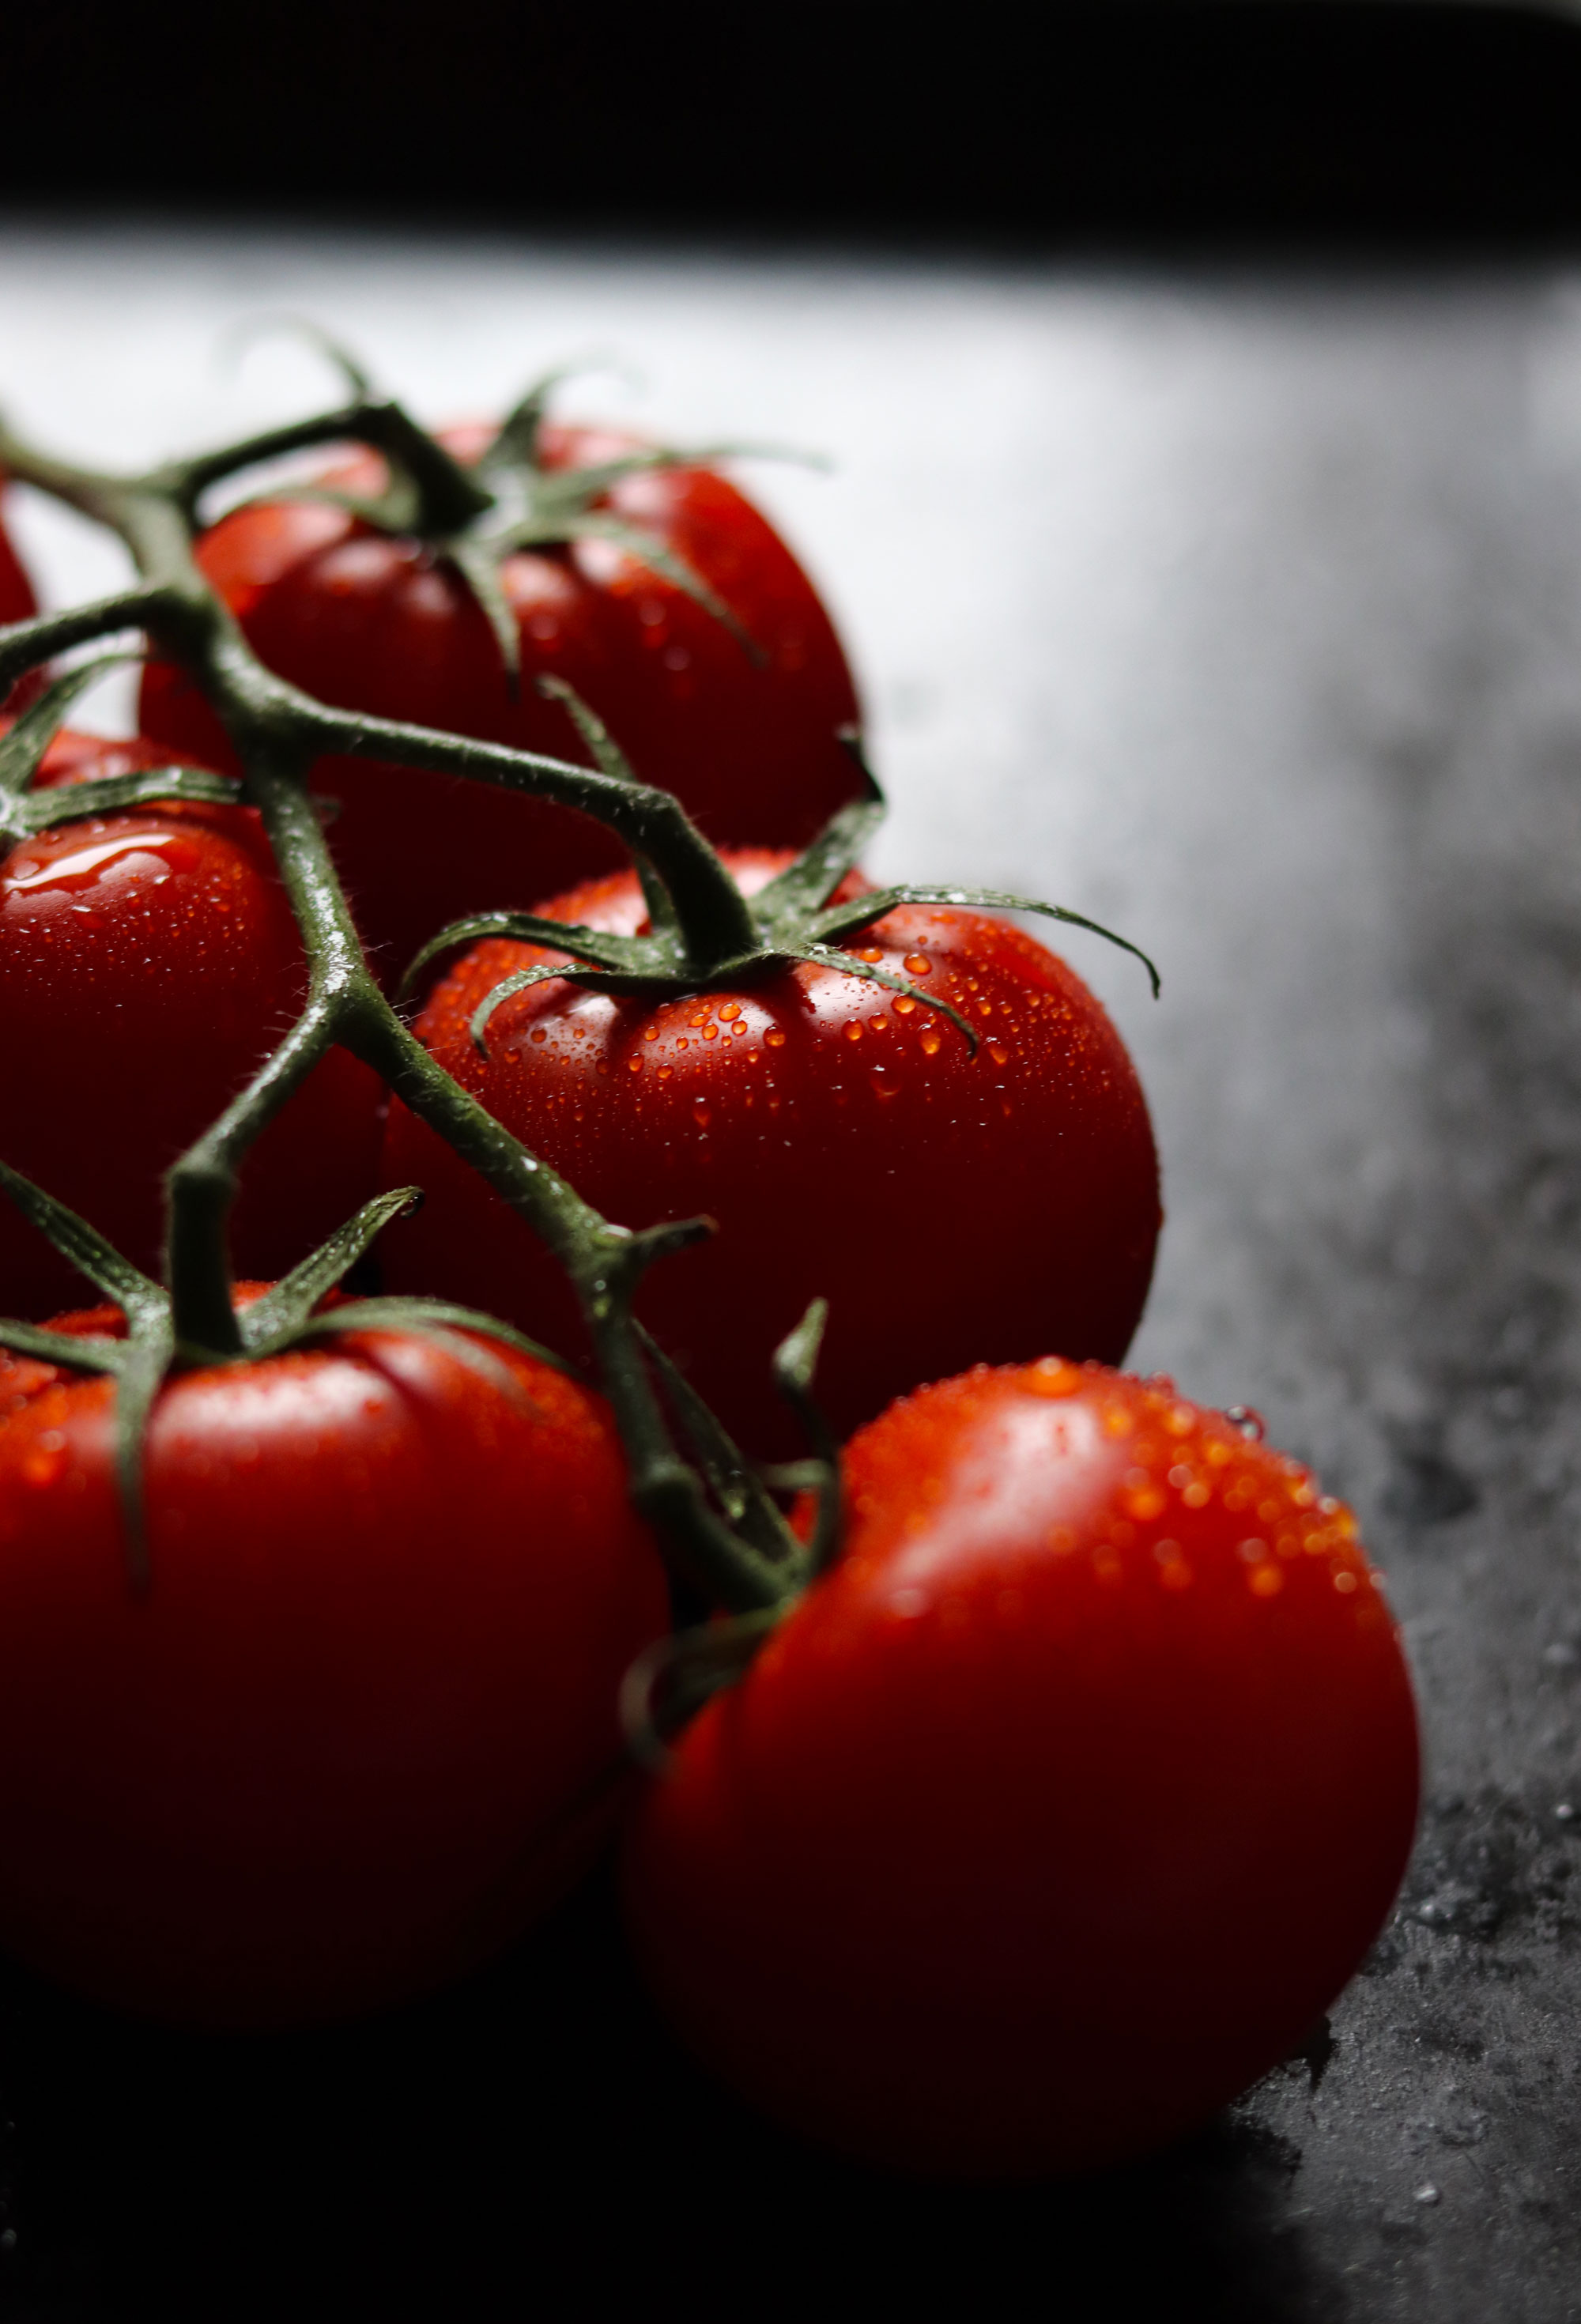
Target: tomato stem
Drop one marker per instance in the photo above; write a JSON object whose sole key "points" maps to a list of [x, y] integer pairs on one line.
{"points": [[278, 731]]}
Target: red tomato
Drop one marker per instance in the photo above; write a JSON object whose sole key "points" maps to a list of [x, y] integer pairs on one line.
{"points": [[148, 964], [16, 596], [1060, 1809], [361, 1730], [846, 1140], [381, 625], [16, 602]]}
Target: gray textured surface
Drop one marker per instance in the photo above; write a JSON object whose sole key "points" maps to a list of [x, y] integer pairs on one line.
{"points": [[1244, 612]]}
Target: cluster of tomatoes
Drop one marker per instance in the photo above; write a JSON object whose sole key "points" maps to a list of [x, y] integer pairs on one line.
{"points": [[1056, 1810]]}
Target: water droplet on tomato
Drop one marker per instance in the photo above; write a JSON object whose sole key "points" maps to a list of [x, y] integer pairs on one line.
{"points": [[774, 1038], [918, 964], [700, 1114], [853, 1030], [929, 1043]]}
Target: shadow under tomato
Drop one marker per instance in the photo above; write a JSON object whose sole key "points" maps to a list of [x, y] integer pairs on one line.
{"points": [[533, 2139]]}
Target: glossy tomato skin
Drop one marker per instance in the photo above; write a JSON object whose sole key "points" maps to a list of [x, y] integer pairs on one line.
{"points": [[148, 964], [361, 1730], [381, 625], [1058, 1813], [844, 1138]]}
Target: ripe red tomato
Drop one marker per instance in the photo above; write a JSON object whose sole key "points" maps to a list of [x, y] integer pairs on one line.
{"points": [[844, 1137], [385, 625], [1057, 1813], [361, 1729], [16, 602], [16, 596], [148, 964]]}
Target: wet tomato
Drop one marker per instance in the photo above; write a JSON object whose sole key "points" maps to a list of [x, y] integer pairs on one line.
{"points": [[148, 964], [953, 1207], [361, 1729], [747, 741], [1057, 1813]]}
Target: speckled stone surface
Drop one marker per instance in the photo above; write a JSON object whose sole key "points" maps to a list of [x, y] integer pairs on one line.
{"points": [[1243, 611]]}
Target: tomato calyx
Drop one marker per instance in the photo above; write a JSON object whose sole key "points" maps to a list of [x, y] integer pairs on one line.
{"points": [[477, 514], [709, 937], [669, 1685], [287, 1315]]}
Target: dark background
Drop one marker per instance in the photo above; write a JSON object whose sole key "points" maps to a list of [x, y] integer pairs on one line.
{"points": [[533, 2144], [1319, 120]]}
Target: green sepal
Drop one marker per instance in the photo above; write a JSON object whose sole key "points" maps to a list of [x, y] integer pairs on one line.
{"points": [[479, 568], [669, 1683], [89, 1351], [85, 1247], [736, 1485], [150, 1352], [806, 884], [826, 957], [63, 803], [435, 1319], [24, 745], [274, 1320], [646, 549], [849, 919], [632, 954], [795, 1363]]}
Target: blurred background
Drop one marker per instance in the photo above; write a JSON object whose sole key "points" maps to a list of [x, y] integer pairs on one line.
{"points": [[1202, 384]]}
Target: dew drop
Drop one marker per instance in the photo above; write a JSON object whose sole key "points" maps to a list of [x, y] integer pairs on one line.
{"points": [[872, 954], [1000, 1055], [929, 1043], [538, 1034], [700, 1114], [853, 1030], [904, 1005], [710, 1032], [774, 1038], [730, 1012], [917, 965], [651, 1033], [633, 1065]]}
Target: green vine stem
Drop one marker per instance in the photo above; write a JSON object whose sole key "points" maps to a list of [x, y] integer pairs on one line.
{"points": [[278, 731]]}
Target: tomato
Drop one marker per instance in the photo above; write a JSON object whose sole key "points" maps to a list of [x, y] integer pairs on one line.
{"points": [[846, 1141], [361, 1728], [1057, 1813], [148, 964], [385, 625], [16, 602], [16, 594]]}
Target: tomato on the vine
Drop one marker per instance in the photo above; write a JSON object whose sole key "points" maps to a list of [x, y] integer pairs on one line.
{"points": [[360, 1730], [744, 731], [952, 1206], [1059, 1809], [148, 964]]}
